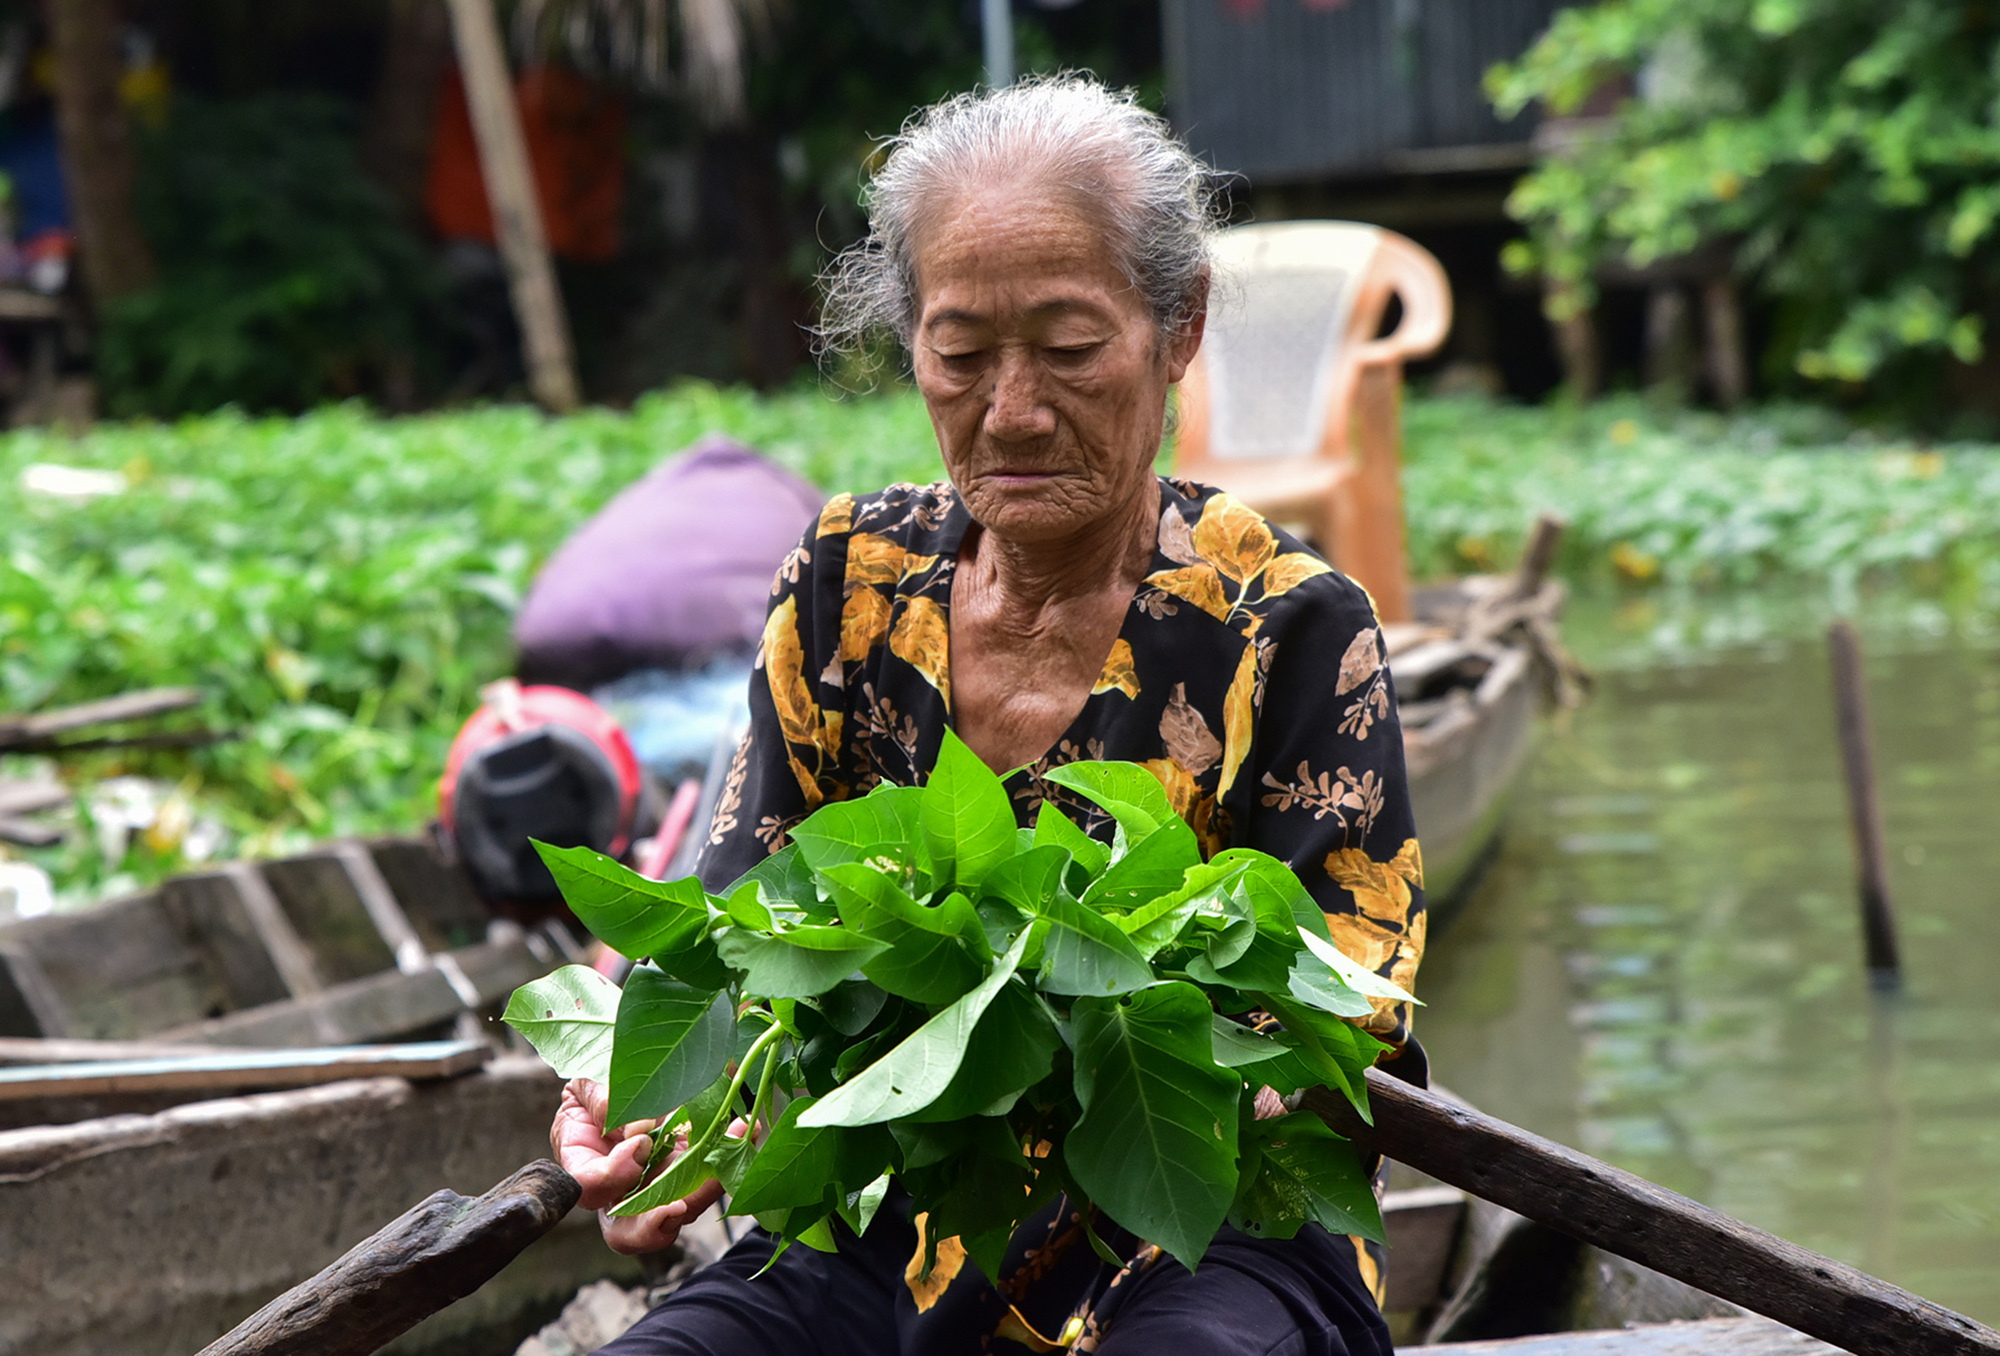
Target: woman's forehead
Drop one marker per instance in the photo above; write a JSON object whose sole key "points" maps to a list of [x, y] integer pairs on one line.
{"points": [[1019, 248]]}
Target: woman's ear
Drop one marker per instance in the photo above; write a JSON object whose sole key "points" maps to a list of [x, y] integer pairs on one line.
{"points": [[1185, 341]]}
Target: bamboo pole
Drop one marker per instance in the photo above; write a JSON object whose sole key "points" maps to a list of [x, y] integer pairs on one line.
{"points": [[1864, 807], [517, 216]]}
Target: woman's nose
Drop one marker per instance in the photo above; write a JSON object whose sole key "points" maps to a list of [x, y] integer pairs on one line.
{"points": [[1016, 408]]}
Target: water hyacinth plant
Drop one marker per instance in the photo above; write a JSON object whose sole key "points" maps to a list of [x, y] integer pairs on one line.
{"points": [[917, 990]]}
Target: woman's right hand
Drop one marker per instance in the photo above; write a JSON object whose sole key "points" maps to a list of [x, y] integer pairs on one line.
{"points": [[609, 1167]]}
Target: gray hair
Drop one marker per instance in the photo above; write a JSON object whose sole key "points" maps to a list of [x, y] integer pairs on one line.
{"points": [[1068, 131]]}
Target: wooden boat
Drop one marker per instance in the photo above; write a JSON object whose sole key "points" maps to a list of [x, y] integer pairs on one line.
{"points": [[151, 1220], [1471, 676]]}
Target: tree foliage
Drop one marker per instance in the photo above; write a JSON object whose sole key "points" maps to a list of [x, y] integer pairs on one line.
{"points": [[1844, 151]]}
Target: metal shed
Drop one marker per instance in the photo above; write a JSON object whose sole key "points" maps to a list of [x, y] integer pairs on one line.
{"points": [[1285, 91]]}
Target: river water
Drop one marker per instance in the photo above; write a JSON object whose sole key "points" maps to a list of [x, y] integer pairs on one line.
{"points": [[1663, 965]]}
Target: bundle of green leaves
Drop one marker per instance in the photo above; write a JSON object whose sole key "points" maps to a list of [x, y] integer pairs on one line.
{"points": [[916, 989]]}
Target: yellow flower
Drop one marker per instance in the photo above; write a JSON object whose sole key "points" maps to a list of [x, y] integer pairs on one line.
{"points": [[922, 639], [1633, 563], [1119, 673], [1624, 433]]}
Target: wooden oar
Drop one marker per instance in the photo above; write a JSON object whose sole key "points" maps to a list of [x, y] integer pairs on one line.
{"points": [[441, 1251], [448, 1246], [1624, 1214]]}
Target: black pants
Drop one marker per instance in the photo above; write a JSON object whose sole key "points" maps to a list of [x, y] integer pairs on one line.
{"points": [[1250, 1297]]}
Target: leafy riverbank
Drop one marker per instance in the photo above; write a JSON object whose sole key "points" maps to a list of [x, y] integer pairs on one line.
{"points": [[341, 585]]}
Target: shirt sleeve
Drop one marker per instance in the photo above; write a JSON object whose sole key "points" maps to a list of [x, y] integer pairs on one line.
{"points": [[788, 759], [1328, 794]]}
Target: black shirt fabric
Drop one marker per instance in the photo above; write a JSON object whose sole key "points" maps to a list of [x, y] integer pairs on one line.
{"points": [[1250, 678]]}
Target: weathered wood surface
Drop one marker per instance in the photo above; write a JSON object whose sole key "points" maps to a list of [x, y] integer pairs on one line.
{"points": [[1711, 1337], [517, 212], [218, 1071], [131, 706], [441, 1251], [381, 1006], [1538, 557], [18, 1050], [1627, 1215], [153, 1235], [1423, 1228]]}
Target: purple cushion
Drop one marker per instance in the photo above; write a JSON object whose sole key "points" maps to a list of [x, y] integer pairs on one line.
{"points": [[673, 571]]}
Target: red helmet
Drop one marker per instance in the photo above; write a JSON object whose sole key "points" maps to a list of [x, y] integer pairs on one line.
{"points": [[537, 762]]}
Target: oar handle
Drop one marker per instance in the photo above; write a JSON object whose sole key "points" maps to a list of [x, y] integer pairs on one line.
{"points": [[1625, 1214], [442, 1250]]}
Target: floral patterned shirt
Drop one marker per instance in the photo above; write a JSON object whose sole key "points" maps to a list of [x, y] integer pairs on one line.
{"points": [[1248, 676]]}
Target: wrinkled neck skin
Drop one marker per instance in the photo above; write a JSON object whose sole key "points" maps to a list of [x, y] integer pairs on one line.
{"points": [[1028, 578]]}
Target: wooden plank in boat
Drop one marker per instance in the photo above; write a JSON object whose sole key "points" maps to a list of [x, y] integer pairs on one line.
{"points": [[232, 921], [380, 1007], [1709, 1337], [18, 1050], [119, 970], [1423, 1226], [436, 896], [319, 897], [238, 1069], [219, 1205]]}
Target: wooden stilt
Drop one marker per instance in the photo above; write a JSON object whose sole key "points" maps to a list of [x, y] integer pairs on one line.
{"points": [[517, 214], [1850, 699]]}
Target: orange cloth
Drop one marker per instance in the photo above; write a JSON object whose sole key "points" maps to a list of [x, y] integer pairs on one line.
{"points": [[576, 149]]}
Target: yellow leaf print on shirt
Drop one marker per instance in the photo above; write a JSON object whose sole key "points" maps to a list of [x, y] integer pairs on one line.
{"points": [[1380, 889], [1239, 719], [1381, 934], [864, 623], [1176, 781], [1290, 570], [922, 639], [1234, 538], [837, 516], [1118, 675], [784, 670], [1199, 584], [950, 1261]]}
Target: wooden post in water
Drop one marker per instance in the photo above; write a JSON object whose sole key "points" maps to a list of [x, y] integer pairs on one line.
{"points": [[1864, 808], [517, 213]]}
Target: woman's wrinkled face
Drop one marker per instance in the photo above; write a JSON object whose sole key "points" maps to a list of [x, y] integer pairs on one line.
{"points": [[1041, 365]]}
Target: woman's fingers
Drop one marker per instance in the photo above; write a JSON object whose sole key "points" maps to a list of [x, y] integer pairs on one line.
{"points": [[1269, 1104], [659, 1227], [607, 1167]]}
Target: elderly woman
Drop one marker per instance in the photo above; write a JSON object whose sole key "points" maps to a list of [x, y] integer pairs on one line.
{"points": [[1041, 252]]}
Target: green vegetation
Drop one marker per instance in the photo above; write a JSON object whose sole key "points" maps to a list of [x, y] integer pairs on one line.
{"points": [[1015, 989], [1841, 151], [341, 585], [1698, 498]]}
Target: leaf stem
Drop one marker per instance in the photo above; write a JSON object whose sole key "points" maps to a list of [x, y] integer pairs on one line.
{"points": [[722, 1116]]}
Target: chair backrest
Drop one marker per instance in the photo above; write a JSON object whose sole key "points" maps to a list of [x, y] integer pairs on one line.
{"points": [[1292, 323]]}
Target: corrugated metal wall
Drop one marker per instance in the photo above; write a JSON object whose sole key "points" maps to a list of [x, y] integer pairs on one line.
{"points": [[1288, 91]]}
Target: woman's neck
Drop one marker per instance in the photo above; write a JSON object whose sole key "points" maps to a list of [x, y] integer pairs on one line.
{"points": [[1106, 555]]}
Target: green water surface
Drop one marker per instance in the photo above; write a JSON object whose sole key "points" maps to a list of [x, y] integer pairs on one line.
{"points": [[1663, 967]]}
